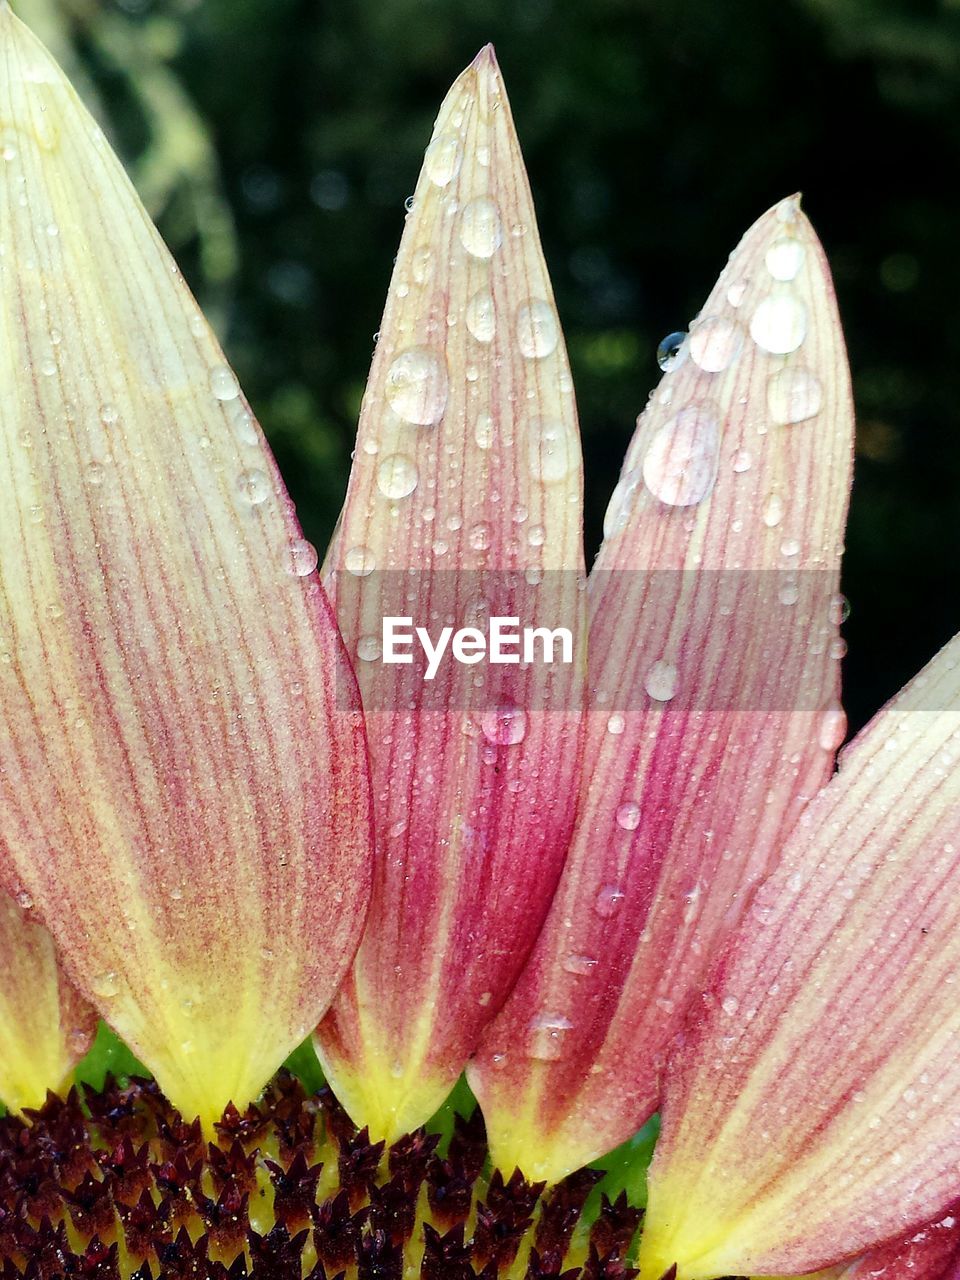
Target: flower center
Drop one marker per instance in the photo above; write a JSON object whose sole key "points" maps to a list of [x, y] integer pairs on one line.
{"points": [[115, 1185]]}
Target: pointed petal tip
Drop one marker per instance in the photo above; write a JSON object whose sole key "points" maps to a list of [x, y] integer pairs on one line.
{"points": [[486, 59]]}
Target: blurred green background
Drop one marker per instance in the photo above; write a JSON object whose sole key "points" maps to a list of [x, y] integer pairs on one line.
{"points": [[275, 141]]}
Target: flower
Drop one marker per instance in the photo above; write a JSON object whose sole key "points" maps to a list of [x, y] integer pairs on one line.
{"points": [[605, 889]]}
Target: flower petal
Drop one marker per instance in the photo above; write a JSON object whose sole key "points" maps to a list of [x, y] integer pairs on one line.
{"points": [[464, 503], [930, 1253], [184, 791], [713, 676], [45, 1027], [815, 1110]]}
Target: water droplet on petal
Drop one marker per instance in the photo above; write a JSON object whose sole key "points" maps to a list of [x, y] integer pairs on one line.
{"points": [[360, 561], [608, 900], [578, 964], [106, 985], [785, 258], [661, 681], [505, 725], [546, 1036], [481, 231], [301, 558], [253, 487], [628, 815], [223, 383], [616, 724], [480, 537], [789, 547], [773, 510], [397, 476], [779, 324], [551, 450], [730, 1005], [537, 330], [680, 466], [742, 461], [443, 159], [108, 414], [794, 395], [369, 648], [622, 502], [715, 343], [484, 431], [833, 728], [417, 385], [672, 352], [24, 900], [736, 293], [480, 315]]}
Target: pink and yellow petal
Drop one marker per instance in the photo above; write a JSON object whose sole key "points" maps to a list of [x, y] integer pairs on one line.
{"points": [[45, 1027], [184, 793], [814, 1108], [464, 503], [714, 714]]}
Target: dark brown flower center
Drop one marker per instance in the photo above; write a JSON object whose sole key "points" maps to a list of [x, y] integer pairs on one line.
{"points": [[116, 1185]]}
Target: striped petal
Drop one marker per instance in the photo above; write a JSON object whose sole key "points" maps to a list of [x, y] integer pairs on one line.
{"points": [[815, 1110], [464, 504], [45, 1027], [930, 1253], [184, 792], [714, 715]]}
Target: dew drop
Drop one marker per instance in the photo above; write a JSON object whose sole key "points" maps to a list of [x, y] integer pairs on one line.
{"points": [[24, 900], [360, 561], [550, 450], [661, 681], [773, 510], [737, 292], [417, 385], [628, 815], [536, 535], [715, 344], [480, 537], [672, 352], [838, 610], [106, 984], [421, 265], [790, 547], [108, 414], [608, 900], [680, 466], [582, 965], [223, 383], [95, 475], [397, 476], [622, 502], [537, 330], [480, 316], [546, 1036], [784, 259], [481, 231], [789, 593], [616, 724], [484, 431], [505, 725], [253, 487], [833, 728], [369, 648], [301, 558], [742, 461], [779, 324], [794, 395], [730, 1005], [443, 159]]}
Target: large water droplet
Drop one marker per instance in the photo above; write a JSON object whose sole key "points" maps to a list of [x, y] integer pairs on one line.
{"points": [[715, 343], [360, 561], [779, 324], [106, 984], [582, 965], [616, 724], [443, 159], [773, 510], [537, 330], [480, 537], [223, 383], [369, 648], [608, 900], [833, 728], [417, 385], [550, 449], [671, 352], [661, 681], [301, 558], [481, 231], [628, 815], [622, 502], [484, 431], [784, 259], [253, 486], [397, 476], [680, 466], [504, 725], [546, 1036], [794, 395], [480, 316]]}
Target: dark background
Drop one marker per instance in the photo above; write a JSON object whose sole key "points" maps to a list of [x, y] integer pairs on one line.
{"points": [[275, 142]]}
